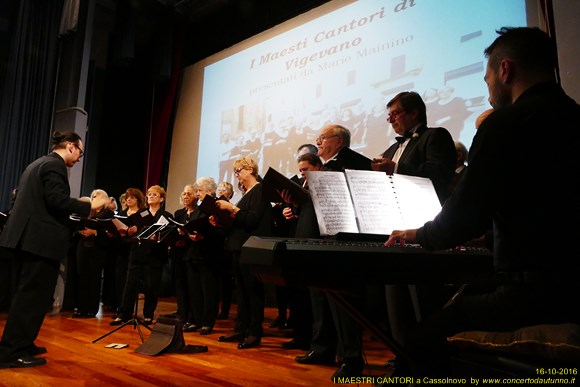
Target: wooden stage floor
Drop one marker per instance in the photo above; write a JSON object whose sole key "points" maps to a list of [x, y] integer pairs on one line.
{"points": [[73, 360]]}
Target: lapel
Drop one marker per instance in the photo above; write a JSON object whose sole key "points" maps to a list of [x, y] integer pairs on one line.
{"points": [[390, 152], [413, 142]]}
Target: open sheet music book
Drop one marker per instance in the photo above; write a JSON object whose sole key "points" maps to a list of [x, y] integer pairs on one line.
{"points": [[157, 231], [371, 202]]}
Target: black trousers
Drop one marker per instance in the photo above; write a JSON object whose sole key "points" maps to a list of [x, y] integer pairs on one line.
{"points": [[179, 266], [203, 278], [90, 263], [35, 279], [324, 338], [251, 300], [226, 282], [149, 269]]}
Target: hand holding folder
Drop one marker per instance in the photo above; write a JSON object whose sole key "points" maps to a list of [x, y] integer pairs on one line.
{"points": [[275, 183], [208, 206]]}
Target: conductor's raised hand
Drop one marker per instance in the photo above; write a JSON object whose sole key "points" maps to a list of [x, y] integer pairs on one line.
{"points": [[99, 201]]}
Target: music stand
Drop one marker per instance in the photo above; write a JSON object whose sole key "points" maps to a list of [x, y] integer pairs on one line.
{"points": [[146, 236], [136, 321]]}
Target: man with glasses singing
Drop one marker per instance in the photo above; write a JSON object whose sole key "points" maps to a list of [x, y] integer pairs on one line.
{"points": [[419, 150], [334, 149], [36, 239]]}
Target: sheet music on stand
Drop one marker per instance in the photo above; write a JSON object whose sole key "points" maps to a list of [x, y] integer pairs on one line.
{"points": [[371, 202], [157, 232]]}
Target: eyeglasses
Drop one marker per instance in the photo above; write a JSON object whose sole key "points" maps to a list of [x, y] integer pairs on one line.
{"points": [[238, 170], [324, 138], [81, 152], [394, 114]]}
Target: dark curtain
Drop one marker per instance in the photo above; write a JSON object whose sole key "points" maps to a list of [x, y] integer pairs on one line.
{"points": [[163, 109], [28, 86]]}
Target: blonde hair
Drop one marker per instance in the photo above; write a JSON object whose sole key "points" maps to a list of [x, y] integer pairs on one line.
{"points": [[247, 163], [228, 187], [159, 189]]}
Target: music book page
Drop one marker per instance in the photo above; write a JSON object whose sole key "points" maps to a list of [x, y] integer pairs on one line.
{"points": [[371, 202], [375, 204], [417, 199], [332, 202]]}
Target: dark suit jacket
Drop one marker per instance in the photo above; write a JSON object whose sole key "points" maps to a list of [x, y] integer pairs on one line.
{"points": [[430, 155], [38, 222], [510, 166]]}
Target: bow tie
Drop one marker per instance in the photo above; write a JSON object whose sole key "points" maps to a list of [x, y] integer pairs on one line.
{"points": [[403, 138]]}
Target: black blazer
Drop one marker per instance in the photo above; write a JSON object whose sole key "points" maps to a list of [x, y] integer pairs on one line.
{"points": [[431, 155], [39, 221], [253, 218]]}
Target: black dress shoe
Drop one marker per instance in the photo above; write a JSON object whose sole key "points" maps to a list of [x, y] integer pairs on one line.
{"points": [[189, 327], [232, 337], [296, 344], [346, 370], [278, 322], [205, 330], [350, 367], [250, 342], [83, 315], [24, 362], [36, 350], [314, 357]]}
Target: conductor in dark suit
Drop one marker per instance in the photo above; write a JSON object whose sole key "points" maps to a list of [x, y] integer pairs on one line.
{"points": [[419, 150], [37, 237], [536, 278]]}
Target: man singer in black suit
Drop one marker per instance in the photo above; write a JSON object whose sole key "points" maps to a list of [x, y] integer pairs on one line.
{"points": [[37, 237], [535, 249], [419, 150], [425, 152]]}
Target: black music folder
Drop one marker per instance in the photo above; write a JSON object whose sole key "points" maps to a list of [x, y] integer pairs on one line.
{"points": [[274, 181], [141, 219], [209, 207], [370, 202], [351, 159], [200, 225]]}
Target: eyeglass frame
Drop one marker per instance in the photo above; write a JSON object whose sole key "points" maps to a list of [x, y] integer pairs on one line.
{"points": [[394, 114], [81, 152], [239, 169], [321, 139]]}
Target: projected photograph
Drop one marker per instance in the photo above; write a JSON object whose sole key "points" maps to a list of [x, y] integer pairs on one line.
{"points": [[265, 98]]}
